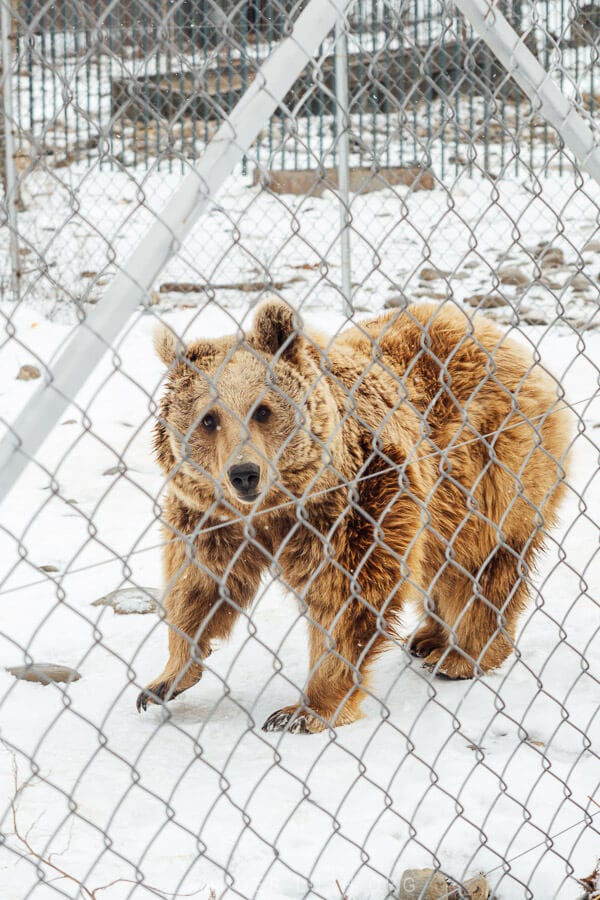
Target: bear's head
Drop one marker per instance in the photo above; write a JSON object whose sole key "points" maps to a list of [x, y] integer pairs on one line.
{"points": [[246, 422]]}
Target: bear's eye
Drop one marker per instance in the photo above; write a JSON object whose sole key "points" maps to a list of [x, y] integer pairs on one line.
{"points": [[210, 422], [261, 414]]}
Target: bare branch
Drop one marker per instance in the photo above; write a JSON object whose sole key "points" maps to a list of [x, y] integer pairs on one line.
{"points": [[24, 839]]}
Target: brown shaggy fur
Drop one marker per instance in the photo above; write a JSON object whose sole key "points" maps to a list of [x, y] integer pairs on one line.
{"points": [[428, 452]]}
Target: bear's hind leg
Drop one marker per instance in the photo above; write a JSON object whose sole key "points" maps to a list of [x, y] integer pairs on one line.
{"points": [[481, 613]]}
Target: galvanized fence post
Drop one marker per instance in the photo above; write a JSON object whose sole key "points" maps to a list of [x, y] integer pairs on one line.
{"points": [[9, 180], [343, 157]]}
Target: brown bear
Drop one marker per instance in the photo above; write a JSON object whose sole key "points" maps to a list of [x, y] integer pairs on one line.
{"points": [[420, 454]]}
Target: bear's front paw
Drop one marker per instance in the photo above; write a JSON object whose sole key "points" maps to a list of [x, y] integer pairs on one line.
{"points": [[296, 720], [451, 664], [155, 693]]}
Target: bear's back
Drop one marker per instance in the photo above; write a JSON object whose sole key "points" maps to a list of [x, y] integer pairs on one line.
{"points": [[449, 367]]}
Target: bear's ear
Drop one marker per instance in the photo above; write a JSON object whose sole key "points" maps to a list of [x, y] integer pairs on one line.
{"points": [[166, 344], [276, 328]]}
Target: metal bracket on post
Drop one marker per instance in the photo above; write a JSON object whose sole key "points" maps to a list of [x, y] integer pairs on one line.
{"points": [[10, 173], [343, 153], [547, 98]]}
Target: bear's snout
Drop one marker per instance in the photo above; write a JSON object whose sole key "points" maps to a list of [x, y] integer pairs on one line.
{"points": [[244, 479]]}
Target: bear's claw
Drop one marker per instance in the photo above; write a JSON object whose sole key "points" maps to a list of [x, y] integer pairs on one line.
{"points": [[280, 721], [153, 695], [431, 667], [438, 672]]}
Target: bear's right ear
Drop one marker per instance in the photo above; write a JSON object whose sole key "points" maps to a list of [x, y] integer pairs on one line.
{"points": [[166, 344], [276, 328]]}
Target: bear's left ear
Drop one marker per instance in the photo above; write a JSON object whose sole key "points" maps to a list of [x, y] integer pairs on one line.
{"points": [[276, 329], [166, 344]]}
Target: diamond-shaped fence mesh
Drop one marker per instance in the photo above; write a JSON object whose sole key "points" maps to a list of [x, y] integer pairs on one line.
{"points": [[305, 598]]}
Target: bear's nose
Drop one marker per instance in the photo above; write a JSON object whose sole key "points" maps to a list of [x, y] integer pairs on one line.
{"points": [[244, 478]]}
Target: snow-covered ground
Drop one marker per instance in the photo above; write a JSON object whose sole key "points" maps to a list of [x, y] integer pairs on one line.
{"points": [[472, 776]]}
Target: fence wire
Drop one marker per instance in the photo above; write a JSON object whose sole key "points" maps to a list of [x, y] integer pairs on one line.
{"points": [[369, 423]]}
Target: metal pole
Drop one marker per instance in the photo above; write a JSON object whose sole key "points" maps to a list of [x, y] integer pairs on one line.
{"points": [[343, 151], [102, 326], [10, 173], [545, 95]]}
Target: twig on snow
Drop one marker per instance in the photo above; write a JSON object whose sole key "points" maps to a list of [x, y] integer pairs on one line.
{"points": [[91, 893], [343, 894]]}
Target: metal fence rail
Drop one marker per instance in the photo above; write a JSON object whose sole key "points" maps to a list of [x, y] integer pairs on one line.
{"points": [[400, 432]]}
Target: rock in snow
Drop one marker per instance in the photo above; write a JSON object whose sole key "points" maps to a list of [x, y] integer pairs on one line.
{"points": [[512, 275], [44, 673], [430, 884], [427, 884], [487, 301], [28, 373], [131, 600]]}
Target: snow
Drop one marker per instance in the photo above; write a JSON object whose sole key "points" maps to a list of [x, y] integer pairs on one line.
{"points": [[198, 798]]}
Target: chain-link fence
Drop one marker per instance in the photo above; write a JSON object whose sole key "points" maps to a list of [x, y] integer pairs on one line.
{"points": [[149, 82], [385, 207]]}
